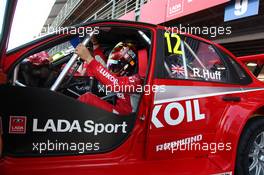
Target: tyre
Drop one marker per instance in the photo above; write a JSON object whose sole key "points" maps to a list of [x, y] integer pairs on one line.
{"points": [[250, 153]]}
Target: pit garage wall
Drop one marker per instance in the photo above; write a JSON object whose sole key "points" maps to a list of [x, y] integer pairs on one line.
{"points": [[247, 36], [160, 11]]}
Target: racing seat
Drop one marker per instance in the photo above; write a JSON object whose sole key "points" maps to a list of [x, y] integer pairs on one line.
{"points": [[142, 69]]}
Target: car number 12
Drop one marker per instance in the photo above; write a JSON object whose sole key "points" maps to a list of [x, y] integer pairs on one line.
{"points": [[176, 49]]}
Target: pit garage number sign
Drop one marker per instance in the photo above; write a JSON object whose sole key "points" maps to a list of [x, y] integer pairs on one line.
{"points": [[241, 9]]}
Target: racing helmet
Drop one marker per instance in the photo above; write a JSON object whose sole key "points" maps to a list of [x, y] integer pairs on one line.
{"points": [[122, 60]]}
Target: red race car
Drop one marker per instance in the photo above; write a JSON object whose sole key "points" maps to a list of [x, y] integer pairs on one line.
{"points": [[199, 110]]}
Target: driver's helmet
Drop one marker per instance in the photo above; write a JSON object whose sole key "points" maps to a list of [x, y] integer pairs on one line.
{"points": [[122, 60]]}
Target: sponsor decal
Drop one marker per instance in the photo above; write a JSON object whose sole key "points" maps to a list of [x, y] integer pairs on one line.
{"points": [[88, 126], [184, 111], [206, 74], [17, 124], [177, 70], [107, 75], [174, 7], [177, 143]]}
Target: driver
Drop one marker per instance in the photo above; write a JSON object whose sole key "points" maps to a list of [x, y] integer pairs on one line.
{"points": [[119, 74]]}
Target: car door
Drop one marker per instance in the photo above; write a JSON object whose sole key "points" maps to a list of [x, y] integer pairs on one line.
{"points": [[196, 90], [35, 116]]}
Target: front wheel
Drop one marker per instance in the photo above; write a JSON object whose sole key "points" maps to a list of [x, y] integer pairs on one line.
{"points": [[250, 155]]}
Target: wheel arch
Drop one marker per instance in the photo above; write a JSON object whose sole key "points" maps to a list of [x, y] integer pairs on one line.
{"points": [[257, 117], [230, 130]]}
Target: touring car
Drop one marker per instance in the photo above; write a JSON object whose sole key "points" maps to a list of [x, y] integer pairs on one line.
{"points": [[207, 119]]}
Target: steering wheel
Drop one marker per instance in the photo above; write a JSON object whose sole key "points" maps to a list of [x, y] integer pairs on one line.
{"points": [[68, 66], [57, 84]]}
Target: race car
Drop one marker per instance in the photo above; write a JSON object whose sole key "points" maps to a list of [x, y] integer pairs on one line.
{"points": [[199, 111]]}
